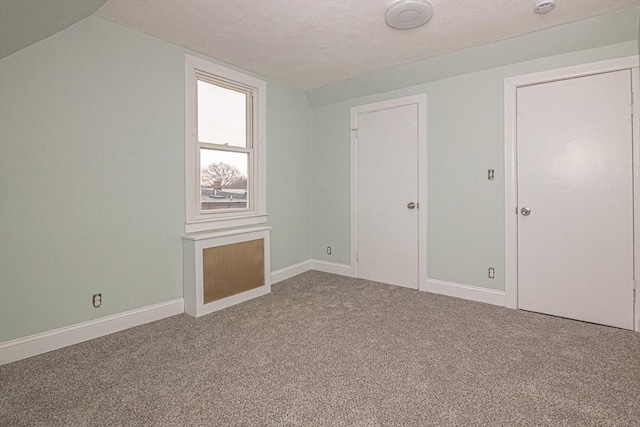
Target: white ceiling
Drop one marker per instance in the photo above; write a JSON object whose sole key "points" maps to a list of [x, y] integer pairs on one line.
{"points": [[303, 43], [312, 43]]}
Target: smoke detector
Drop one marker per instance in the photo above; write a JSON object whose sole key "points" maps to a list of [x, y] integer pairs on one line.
{"points": [[544, 6], [408, 14]]}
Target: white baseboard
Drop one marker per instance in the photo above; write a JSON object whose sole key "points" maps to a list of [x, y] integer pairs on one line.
{"points": [[21, 348], [311, 264], [332, 267], [231, 301], [459, 290], [291, 271]]}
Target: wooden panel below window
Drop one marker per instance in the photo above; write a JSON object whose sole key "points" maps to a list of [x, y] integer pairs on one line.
{"points": [[232, 269]]}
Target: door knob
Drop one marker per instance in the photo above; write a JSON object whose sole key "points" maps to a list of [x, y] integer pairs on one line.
{"points": [[411, 205], [525, 211]]}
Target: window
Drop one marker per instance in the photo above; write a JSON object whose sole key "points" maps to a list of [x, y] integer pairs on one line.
{"points": [[224, 147]]}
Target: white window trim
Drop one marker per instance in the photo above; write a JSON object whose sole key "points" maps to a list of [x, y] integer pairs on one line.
{"points": [[195, 221]]}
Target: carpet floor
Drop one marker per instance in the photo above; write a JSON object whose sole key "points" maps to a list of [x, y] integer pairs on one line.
{"points": [[325, 350]]}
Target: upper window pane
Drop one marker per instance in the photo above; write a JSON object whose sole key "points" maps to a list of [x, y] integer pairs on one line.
{"points": [[222, 115]]}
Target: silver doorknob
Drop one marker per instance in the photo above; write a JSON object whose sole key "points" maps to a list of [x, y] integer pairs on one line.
{"points": [[411, 205], [525, 211]]}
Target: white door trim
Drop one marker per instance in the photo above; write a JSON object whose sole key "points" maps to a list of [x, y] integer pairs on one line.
{"points": [[421, 102], [635, 88], [511, 86]]}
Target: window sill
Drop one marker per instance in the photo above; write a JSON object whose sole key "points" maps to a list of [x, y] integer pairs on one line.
{"points": [[223, 223]]}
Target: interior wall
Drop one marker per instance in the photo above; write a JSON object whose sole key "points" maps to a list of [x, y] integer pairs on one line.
{"points": [[92, 176], [465, 138], [92, 170], [289, 164]]}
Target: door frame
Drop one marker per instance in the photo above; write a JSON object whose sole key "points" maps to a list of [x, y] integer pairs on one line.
{"points": [[421, 102], [511, 86]]}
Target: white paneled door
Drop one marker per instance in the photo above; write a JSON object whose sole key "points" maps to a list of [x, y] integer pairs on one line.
{"points": [[575, 198], [387, 195]]}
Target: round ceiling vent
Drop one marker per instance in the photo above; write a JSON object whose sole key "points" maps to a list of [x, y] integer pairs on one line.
{"points": [[409, 14], [544, 6]]}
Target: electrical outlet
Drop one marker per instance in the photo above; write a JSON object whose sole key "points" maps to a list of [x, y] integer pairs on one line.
{"points": [[328, 250], [97, 300], [492, 273]]}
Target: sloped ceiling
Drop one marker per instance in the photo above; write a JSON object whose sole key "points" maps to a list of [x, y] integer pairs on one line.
{"points": [[24, 22], [304, 43]]}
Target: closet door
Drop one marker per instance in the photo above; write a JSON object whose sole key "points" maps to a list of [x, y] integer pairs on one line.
{"points": [[575, 198]]}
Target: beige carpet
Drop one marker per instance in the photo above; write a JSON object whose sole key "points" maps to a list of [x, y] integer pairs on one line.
{"points": [[324, 350]]}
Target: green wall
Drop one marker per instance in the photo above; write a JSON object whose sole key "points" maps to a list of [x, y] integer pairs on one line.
{"points": [[465, 138], [92, 164], [92, 176], [289, 162]]}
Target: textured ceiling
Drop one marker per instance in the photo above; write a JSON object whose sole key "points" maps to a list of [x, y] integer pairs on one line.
{"points": [[24, 22], [312, 43], [304, 43]]}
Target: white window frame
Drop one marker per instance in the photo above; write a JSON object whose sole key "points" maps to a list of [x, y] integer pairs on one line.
{"points": [[197, 221]]}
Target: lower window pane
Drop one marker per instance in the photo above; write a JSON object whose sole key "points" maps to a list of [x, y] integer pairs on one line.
{"points": [[223, 180]]}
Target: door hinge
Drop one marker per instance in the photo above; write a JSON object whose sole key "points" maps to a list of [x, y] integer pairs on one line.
{"points": [[355, 132], [357, 257]]}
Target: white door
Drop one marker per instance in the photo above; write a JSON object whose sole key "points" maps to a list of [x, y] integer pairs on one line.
{"points": [[387, 195], [575, 198]]}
